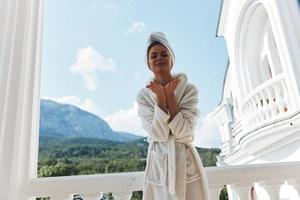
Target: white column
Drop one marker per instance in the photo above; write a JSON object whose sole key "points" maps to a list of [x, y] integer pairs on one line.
{"points": [[122, 195], [20, 40]]}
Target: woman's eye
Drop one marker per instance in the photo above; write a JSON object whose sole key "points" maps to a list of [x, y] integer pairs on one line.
{"points": [[153, 56], [164, 55]]}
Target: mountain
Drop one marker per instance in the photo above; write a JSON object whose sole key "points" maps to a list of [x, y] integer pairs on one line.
{"points": [[64, 120]]}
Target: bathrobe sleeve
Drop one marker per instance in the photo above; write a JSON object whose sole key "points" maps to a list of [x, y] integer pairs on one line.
{"points": [[154, 119], [184, 122]]}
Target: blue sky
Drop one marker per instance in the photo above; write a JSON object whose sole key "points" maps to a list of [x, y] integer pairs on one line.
{"points": [[93, 55]]}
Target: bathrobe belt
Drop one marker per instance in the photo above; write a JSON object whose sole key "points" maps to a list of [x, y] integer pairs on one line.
{"points": [[172, 159], [171, 165]]}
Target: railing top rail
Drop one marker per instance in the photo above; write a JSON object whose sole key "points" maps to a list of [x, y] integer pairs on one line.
{"points": [[112, 182], [132, 181], [253, 173]]}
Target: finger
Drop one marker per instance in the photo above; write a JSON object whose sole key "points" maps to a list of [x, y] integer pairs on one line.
{"points": [[172, 88], [149, 86], [152, 83], [161, 87], [168, 84], [158, 85], [172, 84]]}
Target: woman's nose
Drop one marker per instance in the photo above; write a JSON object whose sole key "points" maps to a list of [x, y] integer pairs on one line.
{"points": [[158, 57]]}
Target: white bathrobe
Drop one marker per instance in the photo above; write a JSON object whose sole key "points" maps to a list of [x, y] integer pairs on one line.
{"points": [[174, 169]]}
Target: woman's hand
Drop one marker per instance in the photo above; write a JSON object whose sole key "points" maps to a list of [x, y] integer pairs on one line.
{"points": [[171, 87], [159, 90], [172, 104]]}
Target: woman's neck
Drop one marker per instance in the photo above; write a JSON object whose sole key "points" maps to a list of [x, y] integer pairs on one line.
{"points": [[163, 79]]}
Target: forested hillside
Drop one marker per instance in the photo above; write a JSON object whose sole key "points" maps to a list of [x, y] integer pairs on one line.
{"points": [[78, 156]]}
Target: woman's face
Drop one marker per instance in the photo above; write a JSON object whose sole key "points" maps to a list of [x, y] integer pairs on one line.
{"points": [[159, 59]]}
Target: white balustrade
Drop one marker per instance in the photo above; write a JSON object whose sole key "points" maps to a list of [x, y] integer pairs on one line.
{"points": [[265, 103], [242, 178], [121, 185]]}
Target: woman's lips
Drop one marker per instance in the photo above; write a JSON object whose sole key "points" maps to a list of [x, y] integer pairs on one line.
{"points": [[160, 63]]}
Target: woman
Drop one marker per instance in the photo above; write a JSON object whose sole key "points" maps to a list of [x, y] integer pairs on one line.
{"points": [[168, 110]]}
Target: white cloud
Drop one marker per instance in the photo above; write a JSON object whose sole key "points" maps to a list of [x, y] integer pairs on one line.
{"points": [[126, 120], [136, 27], [207, 133], [88, 63], [84, 104]]}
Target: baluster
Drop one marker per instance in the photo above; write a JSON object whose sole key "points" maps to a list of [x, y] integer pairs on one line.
{"points": [[266, 105], [243, 192], [286, 97], [271, 97], [91, 196], [214, 192], [62, 197], [279, 98], [296, 185], [122, 195], [261, 104], [259, 112], [272, 188]]}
